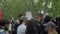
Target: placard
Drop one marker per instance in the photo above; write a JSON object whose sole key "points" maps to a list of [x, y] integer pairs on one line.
{"points": [[29, 15]]}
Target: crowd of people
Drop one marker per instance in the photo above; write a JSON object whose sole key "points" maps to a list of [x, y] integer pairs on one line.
{"points": [[38, 25]]}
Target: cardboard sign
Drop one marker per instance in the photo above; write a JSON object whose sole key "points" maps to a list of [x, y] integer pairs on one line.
{"points": [[29, 15]]}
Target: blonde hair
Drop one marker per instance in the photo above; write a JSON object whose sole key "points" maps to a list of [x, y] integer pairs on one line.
{"points": [[52, 31]]}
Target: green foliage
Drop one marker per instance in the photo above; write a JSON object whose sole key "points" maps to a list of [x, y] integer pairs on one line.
{"points": [[21, 6]]}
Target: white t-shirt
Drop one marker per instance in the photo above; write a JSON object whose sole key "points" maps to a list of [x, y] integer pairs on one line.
{"points": [[21, 29]]}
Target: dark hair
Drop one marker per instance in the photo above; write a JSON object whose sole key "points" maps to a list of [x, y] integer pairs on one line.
{"points": [[58, 19], [31, 27], [21, 21], [20, 15], [47, 19], [2, 22], [7, 22]]}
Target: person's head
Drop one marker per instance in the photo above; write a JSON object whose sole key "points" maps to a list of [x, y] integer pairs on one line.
{"points": [[22, 20], [31, 26], [58, 19], [51, 26], [7, 22], [39, 17], [47, 19], [2, 22]]}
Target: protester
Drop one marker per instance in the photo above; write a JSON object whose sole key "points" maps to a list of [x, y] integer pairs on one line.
{"points": [[41, 28], [2, 27], [58, 24], [19, 18], [47, 19], [18, 22], [22, 28], [51, 28], [31, 28], [8, 26], [15, 24], [40, 25]]}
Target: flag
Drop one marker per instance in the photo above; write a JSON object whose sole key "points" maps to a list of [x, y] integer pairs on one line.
{"points": [[0, 14]]}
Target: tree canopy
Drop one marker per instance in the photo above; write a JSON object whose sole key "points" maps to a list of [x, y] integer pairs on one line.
{"points": [[21, 6]]}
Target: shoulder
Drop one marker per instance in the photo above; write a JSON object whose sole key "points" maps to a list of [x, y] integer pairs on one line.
{"points": [[21, 27]]}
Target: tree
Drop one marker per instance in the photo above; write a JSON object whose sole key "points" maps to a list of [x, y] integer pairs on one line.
{"points": [[21, 6]]}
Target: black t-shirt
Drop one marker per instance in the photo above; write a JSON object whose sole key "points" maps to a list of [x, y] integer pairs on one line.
{"points": [[41, 28]]}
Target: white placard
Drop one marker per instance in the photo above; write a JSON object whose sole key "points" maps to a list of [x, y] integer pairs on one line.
{"points": [[29, 15]]}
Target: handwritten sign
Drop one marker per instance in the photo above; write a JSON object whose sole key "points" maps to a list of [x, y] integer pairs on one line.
{"points": [[29, 15]]}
